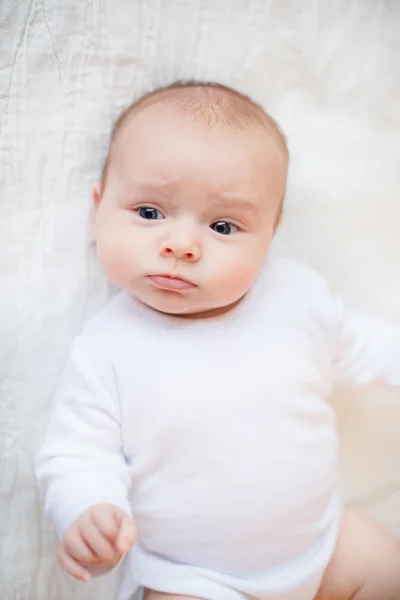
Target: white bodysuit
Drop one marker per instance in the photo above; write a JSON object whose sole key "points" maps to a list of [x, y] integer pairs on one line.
{"points": [[215, 435]]}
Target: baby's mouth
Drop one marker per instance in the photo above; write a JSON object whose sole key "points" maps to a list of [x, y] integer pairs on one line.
{"points": [[171, 282]]}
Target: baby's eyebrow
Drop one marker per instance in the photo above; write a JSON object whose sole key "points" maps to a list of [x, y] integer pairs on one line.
{"points": [[224, 201], [229, 201], [151, 187]]}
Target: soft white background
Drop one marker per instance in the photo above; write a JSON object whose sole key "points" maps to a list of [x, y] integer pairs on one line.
{"points": [[328, 70]]}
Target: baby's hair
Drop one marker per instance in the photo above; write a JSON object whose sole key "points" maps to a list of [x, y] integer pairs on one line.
{"points": [[212, 104]]}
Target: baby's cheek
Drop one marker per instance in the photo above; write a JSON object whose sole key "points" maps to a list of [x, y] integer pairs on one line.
{"points": [[116, 258], [243, 276], [249, 262], [237, 277]]}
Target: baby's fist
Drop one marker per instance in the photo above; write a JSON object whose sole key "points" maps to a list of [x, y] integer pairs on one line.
{"points": [[98, 538]]}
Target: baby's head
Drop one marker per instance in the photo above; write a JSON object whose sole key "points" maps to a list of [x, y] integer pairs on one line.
{"points": [[190, 197]]}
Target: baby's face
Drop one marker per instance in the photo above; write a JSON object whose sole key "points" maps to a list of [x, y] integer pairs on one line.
{"points": [[187, 214]]}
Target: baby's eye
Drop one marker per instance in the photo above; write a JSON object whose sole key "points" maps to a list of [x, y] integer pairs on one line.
{"points": [[150, 214], [224, 228]]}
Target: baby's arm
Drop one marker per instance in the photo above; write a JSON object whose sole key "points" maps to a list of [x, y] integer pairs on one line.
{"points": [[366, 348], [83, 470]]}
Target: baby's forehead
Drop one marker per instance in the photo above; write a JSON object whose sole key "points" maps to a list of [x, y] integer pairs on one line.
{"points": [[158, 137], [213, 106]]}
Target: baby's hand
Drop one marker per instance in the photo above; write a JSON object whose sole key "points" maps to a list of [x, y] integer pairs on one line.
{"points": [[98, 538]]}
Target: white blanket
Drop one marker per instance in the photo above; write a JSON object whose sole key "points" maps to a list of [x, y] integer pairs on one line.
{"points": [[328, 71]]}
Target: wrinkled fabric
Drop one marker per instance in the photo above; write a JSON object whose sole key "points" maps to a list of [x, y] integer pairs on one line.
{"points": [[327, 71]]}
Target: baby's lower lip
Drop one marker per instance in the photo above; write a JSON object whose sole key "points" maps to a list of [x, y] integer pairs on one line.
{"points": [[165, 282]]}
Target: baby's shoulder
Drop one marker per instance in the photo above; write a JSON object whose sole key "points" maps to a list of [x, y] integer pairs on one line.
{"points": [[291, 273], [296, 286], [104, 331]]}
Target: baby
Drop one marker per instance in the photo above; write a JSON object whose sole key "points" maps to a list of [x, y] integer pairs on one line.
{"points": [[191, 430]]}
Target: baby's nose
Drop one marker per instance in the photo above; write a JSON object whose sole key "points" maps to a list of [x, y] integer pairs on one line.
{"points": [[183, 248]]}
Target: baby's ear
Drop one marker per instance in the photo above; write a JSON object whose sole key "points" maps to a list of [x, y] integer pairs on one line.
{"points": [[96, 199], [96, 195]]}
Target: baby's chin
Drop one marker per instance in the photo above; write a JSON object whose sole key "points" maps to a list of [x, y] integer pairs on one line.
{"points": [[177, 309], [177, 306]]}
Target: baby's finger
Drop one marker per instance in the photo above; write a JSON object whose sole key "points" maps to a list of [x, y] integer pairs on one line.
{"points": [[76, 547], [127, 534], [72, 566], [106, 522], [99, 545]]}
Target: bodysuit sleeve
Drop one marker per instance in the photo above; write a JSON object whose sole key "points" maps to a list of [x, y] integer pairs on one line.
{"points": [[366, 348], [81, 462]]}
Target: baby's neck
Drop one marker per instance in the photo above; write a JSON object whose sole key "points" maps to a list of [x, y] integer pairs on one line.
{"points": [[211, 313]]}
